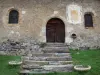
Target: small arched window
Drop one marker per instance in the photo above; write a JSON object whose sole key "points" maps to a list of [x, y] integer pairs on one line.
{"points": [[13, 17], [88, 20]]}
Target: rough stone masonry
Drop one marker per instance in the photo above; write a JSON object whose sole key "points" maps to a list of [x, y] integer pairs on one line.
{"points": [[35, 14]]}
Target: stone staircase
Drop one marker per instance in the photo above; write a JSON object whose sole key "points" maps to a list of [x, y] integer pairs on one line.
{"points": [[54, 57]]}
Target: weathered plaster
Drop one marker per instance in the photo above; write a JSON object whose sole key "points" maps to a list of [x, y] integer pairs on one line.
{"points": [[23, 12]]}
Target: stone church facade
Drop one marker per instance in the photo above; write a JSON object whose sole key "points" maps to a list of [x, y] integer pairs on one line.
{"points": [[74, 22]]}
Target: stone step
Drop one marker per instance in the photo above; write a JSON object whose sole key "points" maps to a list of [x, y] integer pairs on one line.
{"points": [[45, 55], [35, 71], [41, 63], [56, 45], [54, 57], [67, 58], [55, 67], [64, 58], [50, 54], [31, 66], [59, 68], [63, 50]]}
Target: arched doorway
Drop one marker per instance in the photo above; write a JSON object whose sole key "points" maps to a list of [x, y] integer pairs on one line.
{"points": [[55, 31]]}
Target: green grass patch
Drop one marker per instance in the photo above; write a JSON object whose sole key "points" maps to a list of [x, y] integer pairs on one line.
{"points": [[88, 57], [5, 68]]}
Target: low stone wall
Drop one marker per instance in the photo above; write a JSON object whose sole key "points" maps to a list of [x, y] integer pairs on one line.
{"points": [[86, 42], [11, 47], [28, 46]]}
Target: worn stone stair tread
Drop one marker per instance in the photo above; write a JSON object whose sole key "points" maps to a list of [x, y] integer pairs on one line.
{"points": [[55, 51], [56, 44], [33, 72], [56, 48], [68, 65], [47, 56], [50, 54], [44, 61], [47, 47], [64, 58], [59, 68], [32, 66], [41, 63], [67, 58]]}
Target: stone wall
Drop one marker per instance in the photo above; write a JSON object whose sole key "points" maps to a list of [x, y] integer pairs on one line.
{"points": [[23, 48], [34, 15]]}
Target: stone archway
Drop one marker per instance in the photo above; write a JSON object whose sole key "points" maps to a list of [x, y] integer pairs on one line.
{"points": [[55, 31]]}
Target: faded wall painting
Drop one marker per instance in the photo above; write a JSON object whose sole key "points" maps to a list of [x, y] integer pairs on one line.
{"points": [[74, 14]]}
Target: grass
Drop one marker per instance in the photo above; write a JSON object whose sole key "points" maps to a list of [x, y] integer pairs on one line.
{"points": [[5, 68], [88, 57]]}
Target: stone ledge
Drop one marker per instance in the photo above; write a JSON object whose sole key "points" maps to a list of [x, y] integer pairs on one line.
{"points": [[33, 66], [59, 68], [37, 71], [50, 54], [41, 63]]}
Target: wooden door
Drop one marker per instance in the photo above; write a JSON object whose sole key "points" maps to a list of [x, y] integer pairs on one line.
{"points": [[55, 31]]}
